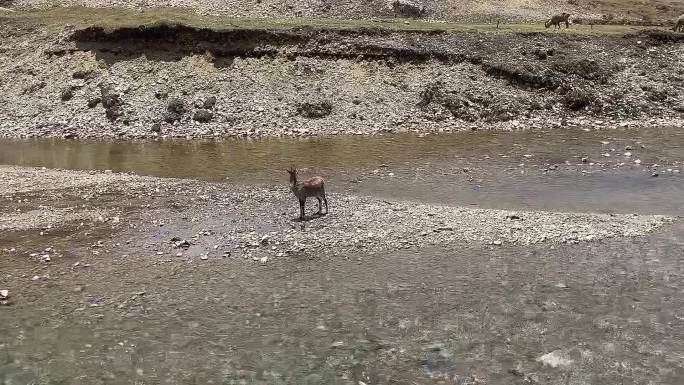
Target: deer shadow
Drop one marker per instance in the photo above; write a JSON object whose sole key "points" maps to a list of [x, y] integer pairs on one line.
{"points": [[309, 217]]}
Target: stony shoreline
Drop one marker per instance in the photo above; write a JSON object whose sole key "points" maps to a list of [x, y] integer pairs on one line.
{"points": [[257, 222]]}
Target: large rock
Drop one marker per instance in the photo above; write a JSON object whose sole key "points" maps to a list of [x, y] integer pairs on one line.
{"points": [[210, 102], [203, 116], [175, 108], [207, 103], [66, 93], [314, 110], [176, 105], [112, 103], [407, 8], [94, 101], [83, 74], [171, 117], [579, 99]]}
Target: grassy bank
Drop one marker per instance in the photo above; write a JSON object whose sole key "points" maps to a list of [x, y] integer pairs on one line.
{"points": [[113, 18]]}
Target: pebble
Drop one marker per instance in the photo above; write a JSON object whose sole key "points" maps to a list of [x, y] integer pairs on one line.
{"points": [[554, 360]]}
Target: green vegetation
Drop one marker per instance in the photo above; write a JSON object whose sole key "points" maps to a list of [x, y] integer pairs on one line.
{"points": [[113, 18]]}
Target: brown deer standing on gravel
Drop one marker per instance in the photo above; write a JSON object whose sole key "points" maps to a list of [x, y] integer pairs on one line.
{"points": [[312, 187], [679, 24]]}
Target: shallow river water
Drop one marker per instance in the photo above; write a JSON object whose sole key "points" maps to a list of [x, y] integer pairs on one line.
{"points": [[526, 169]]}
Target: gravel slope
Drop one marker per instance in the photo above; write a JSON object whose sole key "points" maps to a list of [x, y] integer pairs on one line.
{"points": [[461, 10], [199, 83], [464, 10]]}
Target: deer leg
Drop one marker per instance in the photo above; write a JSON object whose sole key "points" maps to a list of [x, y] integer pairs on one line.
{"points": [[320, 206], [325, 200], [301, 208]]}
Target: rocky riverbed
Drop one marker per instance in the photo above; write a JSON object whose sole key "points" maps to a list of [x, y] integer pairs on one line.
{"points": [[181, 81], [467, 259], [129, 273]]}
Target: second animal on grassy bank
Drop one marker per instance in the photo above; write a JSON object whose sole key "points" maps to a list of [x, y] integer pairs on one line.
{"points": [[557, 20]]}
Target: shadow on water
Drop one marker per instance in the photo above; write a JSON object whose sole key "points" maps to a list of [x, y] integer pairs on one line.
{"points": [[510, 168]]}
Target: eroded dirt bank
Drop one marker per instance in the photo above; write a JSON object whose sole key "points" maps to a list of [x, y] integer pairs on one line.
{"points": [[175, 281], [180, 81]]}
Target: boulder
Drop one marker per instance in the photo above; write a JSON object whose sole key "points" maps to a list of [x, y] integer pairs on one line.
{"points": [[406, 8], [112, 103], [203, 116], [314, 110]]}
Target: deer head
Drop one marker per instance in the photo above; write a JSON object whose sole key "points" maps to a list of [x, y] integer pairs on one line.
{"points": [[293, 174]]}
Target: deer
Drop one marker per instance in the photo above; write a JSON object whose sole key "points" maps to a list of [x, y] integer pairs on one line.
{"points": [[312, 187], [557, 20]]}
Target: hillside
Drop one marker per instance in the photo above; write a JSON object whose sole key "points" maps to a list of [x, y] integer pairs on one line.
{"points": [[114, 73], [614, 11]]}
